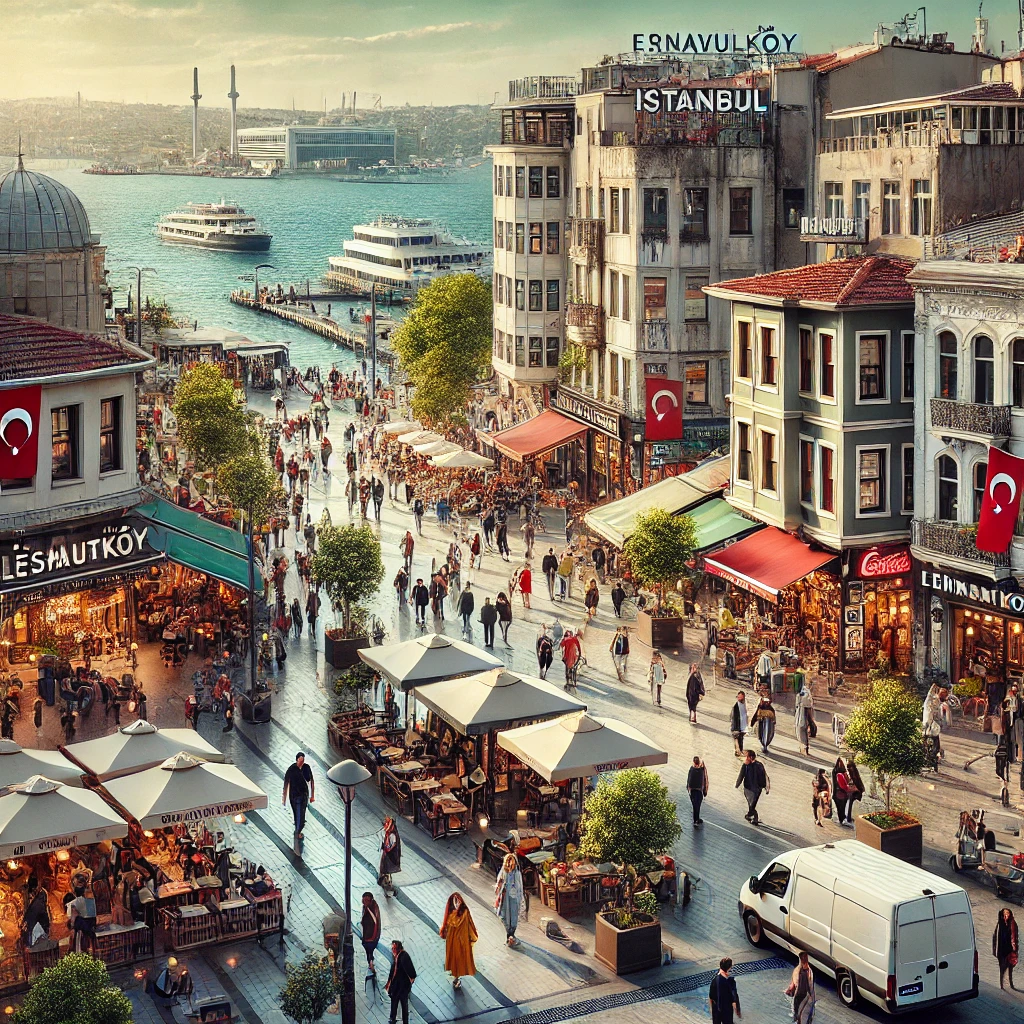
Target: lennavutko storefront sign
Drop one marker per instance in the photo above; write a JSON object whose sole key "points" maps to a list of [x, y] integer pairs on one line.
{"points": [[954, 587]]}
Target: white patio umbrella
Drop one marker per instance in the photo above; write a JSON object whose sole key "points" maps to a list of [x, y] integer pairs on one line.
{"points": [[580, 745], [40, 816], [436, 448], [462, 460], [427, 659], [185, 788], [18, 764], [496, 700], [135, 747], [419, 437], [402, 426]]}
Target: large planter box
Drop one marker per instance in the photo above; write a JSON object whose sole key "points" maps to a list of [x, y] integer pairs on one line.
{"points": [[344, 652], [626, 950], [658, 631], [904, 842]]}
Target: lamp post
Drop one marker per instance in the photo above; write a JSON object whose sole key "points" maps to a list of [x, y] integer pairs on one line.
{"points": [[346, 775], [371, 341], [139, 271], [262, 266]]}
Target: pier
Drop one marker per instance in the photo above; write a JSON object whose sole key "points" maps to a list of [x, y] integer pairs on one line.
{"points": [[322, 325]]}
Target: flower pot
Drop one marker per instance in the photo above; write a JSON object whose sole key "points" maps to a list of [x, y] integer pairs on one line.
{"points": [[904, 842], [624, 950], [658, 630], [342, 652]]}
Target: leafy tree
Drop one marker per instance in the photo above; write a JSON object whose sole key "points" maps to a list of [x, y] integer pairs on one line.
{"points": [[76, 990], [629, 820], [660, 547], [347, 564], [251, 483], [885, 732], [309, 990], [211, 423], [444, 344]]}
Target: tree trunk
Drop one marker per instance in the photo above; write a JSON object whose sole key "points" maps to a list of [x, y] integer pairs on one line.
{"points": [[346, 616]]}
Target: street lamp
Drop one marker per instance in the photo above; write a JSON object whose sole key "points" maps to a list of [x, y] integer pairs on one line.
{"points": [[139, 271], [346, 775], [262, 266]]}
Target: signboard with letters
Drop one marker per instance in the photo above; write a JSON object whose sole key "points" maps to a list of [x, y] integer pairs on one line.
{"points": [[834, 230], [579, 409]]}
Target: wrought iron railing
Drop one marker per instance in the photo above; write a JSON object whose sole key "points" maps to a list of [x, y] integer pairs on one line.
{"points": [[654, 335], [970, 417], [586, 239], [956, 540]]}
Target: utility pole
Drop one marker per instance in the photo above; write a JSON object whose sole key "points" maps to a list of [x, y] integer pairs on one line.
{"points": [[196, 97], [372, 343], [233, 96]]}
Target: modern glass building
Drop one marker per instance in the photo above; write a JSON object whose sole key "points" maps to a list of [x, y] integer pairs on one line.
{"points": [[315, 147]]}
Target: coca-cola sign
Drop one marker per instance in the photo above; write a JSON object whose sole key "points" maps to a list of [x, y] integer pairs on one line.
{"points": [[884, 560]]}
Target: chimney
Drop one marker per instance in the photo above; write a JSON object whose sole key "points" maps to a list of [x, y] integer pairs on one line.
{"points": [[233, 96], [196, 97]]}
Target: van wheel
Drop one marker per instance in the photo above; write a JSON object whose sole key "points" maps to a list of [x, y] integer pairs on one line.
{"points": [[846, 986], [954, 863], [754, 930]]}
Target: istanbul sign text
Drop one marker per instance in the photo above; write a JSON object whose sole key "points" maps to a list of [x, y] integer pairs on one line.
{"points": [[719, 101]]}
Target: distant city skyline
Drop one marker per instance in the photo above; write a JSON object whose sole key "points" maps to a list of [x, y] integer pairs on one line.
{"points": [[462, 51]]}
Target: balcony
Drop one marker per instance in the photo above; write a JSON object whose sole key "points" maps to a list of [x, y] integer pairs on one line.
{"points": [[953, 540], [586, 240], [654, 336], [708, 134], [970, 419], [584, 324], [543, 87]]}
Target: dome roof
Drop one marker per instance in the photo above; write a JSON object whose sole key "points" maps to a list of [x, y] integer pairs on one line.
{"points": [[37, 212]]}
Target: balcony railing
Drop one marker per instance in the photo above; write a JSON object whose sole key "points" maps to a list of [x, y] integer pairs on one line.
{"points": [[755, 134], [970, 417], [599, 396], [654, 335], [543, 87], [584, 324], [920, 138], [954, 540], [586, 239]]}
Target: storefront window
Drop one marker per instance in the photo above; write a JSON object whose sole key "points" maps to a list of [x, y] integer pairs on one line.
{"points": [[988, 647], [887, 619], [949, 486]]}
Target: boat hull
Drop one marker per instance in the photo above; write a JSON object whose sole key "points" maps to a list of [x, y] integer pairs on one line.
{"points": [[228, 243]]}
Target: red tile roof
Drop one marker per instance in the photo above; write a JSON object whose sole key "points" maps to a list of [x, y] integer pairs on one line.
{"points": [[825, 62], [857, 281], [988, 91], [34, 348]]}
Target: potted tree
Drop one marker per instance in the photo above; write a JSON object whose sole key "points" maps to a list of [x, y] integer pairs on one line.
{"points": [[659, 551], [310, 989], [885, 734], [629, 821], [347, 564]]}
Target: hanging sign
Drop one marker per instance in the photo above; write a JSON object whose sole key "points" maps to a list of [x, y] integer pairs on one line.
{"points": [[884, 560]]}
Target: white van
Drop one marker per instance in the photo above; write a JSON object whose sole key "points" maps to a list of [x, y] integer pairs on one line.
{"points": [[890, 933]]}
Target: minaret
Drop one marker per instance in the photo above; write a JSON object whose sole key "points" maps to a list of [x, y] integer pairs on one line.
{"points": [[196, 97], [233, 96]]}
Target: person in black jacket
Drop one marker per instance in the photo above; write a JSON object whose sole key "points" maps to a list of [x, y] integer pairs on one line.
{"points": [[488, 616], [549, 566], [697, 787], [754, 780], [377, 493], [420, 599], [466, 606], [399, 983]]}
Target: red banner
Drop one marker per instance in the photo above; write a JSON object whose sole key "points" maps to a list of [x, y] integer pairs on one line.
{"points": [[1001, 504], [664, 409], [19, 432]]}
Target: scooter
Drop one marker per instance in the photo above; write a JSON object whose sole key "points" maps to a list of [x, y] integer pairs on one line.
{"points": [[975, 850]]}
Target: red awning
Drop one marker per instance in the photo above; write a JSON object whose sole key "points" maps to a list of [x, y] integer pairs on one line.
{"points": [[766, 562], [548, 430]]}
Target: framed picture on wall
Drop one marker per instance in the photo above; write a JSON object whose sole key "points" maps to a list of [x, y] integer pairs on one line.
{"points": [[856, 592], [854, 615], [854, 638]]}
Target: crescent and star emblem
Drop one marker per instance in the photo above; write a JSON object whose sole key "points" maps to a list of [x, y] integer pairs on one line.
{"points": [[15, 416], [654, 403], [1002, 478]]}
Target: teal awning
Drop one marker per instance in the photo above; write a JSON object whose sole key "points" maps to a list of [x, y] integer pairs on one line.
{"points": [[165, 513], [717, 522]]}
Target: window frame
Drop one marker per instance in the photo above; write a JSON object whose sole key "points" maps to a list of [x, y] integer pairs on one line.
{"points": [[552, 173], [535, 177], [943, 359], [940, 480], [735, 194], [664, 306], [686, 382], [748, 480], [773, 362], [975, 360], [887, 205], [535, 295], [883, 366], [549, 348], [905, 450], [687, 279], [822, 509], [688, 232], [520, 295], [806, 472], [763, 432], [71, 436], [553, 238], [882, 510], [114, 431], [862, 202], [921, 208], [978, 499], [537, 350], [832, 397], [833, 201], [907, 365], [614, 209], [746, 353], [659, 197], [520, 238], [805, 331], [555, 291], [536, 238], [1016, 400], [520, 182]]}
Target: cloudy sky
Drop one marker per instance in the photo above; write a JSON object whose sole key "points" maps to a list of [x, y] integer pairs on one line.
{"points": [[426, 52]]}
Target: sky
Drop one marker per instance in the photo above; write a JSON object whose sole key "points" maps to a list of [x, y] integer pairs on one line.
{"points": [[451, 51]]}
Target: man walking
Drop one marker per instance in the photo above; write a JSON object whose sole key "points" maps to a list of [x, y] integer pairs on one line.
{"points": [[754, 780], [618, 596], [466, 606], [502, 538], [351, 492], [656, 677], [488, 616], [400, 979], [407, 546], [722, 995], [377, 492], [417, 515], [738, 722], [529, 536], [420, 599], [299, 789], [549, 566], [697, 787], [620, 652], [312, 611]]}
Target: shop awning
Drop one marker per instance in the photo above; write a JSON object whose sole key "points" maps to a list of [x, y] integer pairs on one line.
{"points": [[718, 522], [615, 521], [548, 430], [166, 513], [766, 562]]}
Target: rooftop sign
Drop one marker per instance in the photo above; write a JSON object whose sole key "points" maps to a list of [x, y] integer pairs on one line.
{"points": [[852, 230], [718, 101], [765, 41]]}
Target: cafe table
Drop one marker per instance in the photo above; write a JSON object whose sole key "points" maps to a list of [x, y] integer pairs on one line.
{"points": [[446, 805]]}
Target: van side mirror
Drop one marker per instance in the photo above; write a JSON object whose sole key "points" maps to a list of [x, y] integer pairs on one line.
{"points": [[754, 884]]}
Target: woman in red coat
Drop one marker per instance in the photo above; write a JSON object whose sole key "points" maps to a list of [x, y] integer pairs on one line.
{"points": [[526, 584]]}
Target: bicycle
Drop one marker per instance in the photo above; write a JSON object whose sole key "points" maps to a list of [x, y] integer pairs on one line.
{"points": [[376, 631]]}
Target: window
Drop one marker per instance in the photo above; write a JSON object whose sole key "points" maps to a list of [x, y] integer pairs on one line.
{"points": [[536, 238], [520, 351], [769, 359], [834, 206], [655, 289], [740, 201], [984, 371], [769, 463], [508, 292], [980, 473], [828, 481], [656, 212], [743, 349], [775, 881], [625, 211], [110, 435], [695, 302], [743, 451], [921, 207], [827, 345], [792, 207], [949, 359], [949, 487], [908, 479], [64, 427], [520, 238], [499, 234], [890, 207], [536, 296], [697, 383], [614, 210], [554, 297], [871, 349], [907, 340], [520, 293], [508, 180], [600, 204], [579, 203], [536, 182], [806, 471], [862, 201], [694, 224], [625, 284], [510, 236], [872, 494], [613, 374], [552, 351], [554, 237], [520, 183], [613, 293], [508, 348], [554, 183], [536, 351], [1018, 372], [806, 359], [497, 180]]}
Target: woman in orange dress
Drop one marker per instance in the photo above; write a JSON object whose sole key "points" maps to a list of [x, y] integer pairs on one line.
{"points": [[459, 934]]}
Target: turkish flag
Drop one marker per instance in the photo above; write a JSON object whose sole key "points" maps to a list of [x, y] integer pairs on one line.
{"points": [[664, 409], [19, 432], [1001, 504]]}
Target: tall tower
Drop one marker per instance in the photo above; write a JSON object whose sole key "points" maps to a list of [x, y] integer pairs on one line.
{"points": [[196, 97], [233, 96]]}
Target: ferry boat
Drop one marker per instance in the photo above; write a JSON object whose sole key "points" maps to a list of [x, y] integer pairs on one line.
{"points": [[402, 254], [214, 226]]}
